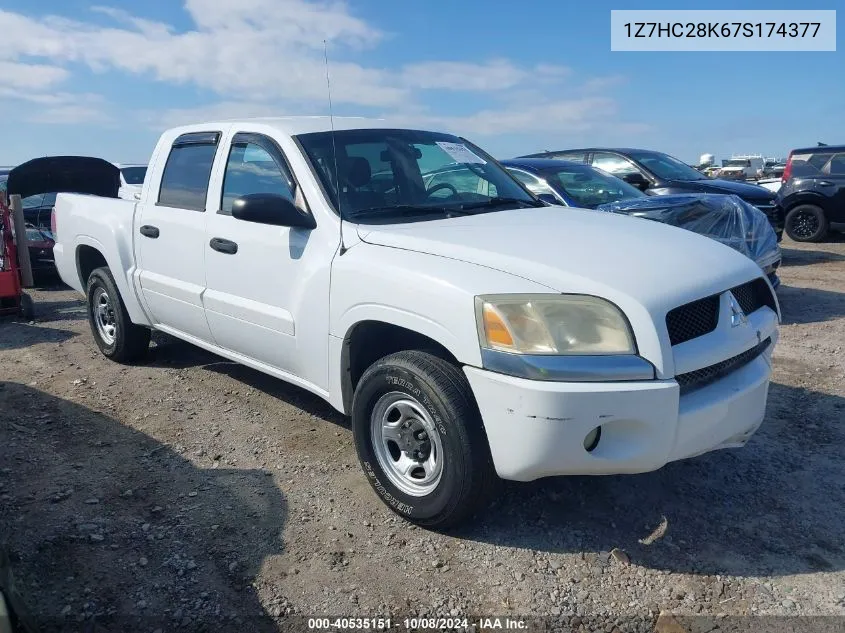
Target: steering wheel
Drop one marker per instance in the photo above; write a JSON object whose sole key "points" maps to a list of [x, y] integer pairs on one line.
{"points": [[442, 185]]}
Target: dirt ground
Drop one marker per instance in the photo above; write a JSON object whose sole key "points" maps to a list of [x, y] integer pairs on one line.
{"points": [[189, 493]]}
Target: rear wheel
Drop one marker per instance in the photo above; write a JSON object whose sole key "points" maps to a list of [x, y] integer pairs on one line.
{"points": [[27, 307], [117, 337], [420, 440], [806, 223]]}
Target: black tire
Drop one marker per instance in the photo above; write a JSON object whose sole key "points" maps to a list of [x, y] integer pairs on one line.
{"points": [[130, 341], [27, 307], [441, 388], [806, 223]]}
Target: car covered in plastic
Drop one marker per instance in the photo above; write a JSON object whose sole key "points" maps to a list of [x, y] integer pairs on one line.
{"points": [[722, 217], [725, 218]]}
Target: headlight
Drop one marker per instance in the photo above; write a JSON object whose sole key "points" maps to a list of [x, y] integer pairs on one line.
{"points": [[552, 324]]}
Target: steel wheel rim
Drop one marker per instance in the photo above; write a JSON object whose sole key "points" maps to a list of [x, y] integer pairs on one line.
{"points": [[805, 224], [104, 319], [406, 443]]}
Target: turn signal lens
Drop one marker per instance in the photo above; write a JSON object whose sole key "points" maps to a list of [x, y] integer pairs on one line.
{"points": [[497, 332]]}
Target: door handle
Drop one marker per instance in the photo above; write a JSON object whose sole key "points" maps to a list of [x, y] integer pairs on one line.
{"points": [[223, 246], [825, 183], [149, 231]]}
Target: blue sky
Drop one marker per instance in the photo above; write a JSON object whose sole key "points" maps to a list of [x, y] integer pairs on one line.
{"points": [[104, 78]]}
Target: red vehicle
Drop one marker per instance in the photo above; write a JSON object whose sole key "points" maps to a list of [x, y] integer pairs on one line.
{"points": [[40, 243], [13, 300]]}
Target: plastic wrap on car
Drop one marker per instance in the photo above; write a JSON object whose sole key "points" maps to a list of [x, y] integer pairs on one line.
{"points": [[725, 218]]}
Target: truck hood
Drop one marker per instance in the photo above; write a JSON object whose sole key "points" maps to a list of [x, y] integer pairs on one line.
{"points": [[633, 262]]}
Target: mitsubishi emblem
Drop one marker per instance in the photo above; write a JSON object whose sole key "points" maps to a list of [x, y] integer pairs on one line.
{"points": [[737, 315]]}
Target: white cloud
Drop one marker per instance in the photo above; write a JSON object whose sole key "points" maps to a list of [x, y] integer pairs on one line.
{"points": [[574, 115], [28, 77], [603, 84], [262, 49], [265, 57], [499, 74], [71, 113]]}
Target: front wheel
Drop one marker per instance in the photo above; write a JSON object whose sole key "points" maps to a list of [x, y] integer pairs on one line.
{"points": [[806, 223], [420, 439], [117, 337]]}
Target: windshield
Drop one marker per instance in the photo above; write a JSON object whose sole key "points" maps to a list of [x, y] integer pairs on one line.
{"points": [[39, 200], [34, 234], [590, 187], [667, 167], [410, 174], [134, 175], [736, 163]]}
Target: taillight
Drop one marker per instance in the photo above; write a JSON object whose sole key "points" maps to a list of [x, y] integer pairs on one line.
{"points": [[53, 223], [787, 171]]}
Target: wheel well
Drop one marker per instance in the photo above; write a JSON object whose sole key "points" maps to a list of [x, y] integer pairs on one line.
{"points": [[369, 341], [88, 258], [806, 198]]}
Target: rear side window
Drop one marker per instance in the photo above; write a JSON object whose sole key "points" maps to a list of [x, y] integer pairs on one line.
{"points": [[836, 166], [575, 157], [184, 183], [614, 164], [810, 164]]}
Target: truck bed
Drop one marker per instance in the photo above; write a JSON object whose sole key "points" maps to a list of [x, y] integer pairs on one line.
{"points": [[104, 224]]}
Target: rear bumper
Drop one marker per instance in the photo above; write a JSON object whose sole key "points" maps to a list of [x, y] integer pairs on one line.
{"points": [[537, 429]]}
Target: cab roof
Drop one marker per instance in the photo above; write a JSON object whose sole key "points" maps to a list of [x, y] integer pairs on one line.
{"points": [[291, 125]]}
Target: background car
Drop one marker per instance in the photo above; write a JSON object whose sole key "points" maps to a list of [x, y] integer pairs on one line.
{"points": [[568, 183], [131, 180], [662, 174], [725, 218], [40, 243], [813, 192], [773, 169], [37, 209]]}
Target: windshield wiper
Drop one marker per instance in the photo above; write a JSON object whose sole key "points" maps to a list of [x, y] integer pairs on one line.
{"points": [[400, 208], [498, 202]]}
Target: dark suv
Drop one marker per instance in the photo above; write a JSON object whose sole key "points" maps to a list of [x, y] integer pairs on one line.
{"points": [[813, 192], [657, 173]]}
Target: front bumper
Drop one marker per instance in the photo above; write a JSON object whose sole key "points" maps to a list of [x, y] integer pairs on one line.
{"points": [[538, 428], [774, 212]]}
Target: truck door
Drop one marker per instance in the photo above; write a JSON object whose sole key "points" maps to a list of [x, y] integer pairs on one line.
{"points": [[171, 240], [267, 286]]}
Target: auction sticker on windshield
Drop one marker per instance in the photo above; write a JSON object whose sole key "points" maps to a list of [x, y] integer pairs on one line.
{"points": [[461, 153]]}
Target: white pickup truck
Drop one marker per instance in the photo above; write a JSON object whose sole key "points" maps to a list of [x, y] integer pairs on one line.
{"points": [[469, 329]]}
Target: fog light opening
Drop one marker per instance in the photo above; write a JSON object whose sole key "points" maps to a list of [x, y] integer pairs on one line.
{"points": [[592, 439]]}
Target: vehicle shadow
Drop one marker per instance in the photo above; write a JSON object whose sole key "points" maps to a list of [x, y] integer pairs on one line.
{"points": [[800, 257], [110, 530], [760, 510], [16, 334], [170, 352], [809, 305]]}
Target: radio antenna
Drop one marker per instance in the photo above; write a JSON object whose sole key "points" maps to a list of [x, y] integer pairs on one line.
{"points": [[334, 150]]}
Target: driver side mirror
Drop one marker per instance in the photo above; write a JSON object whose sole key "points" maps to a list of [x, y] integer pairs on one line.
{"points": [[637, 179], [271, 208]]}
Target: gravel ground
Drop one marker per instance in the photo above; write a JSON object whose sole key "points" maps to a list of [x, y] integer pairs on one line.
{"points": [[189, 493]]}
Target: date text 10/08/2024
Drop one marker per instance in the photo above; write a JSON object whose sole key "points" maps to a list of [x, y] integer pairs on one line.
{"points": [[418, 624]]}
